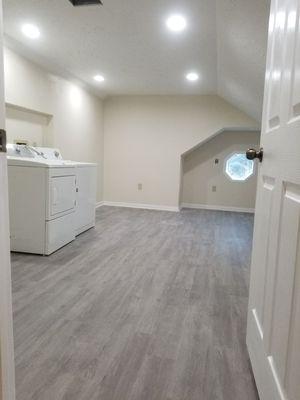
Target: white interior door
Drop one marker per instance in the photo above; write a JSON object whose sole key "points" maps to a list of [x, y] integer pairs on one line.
{"points": [[273, 335], [7, 382]]}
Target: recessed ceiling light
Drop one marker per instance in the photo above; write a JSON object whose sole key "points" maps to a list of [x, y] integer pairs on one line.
{"points": [[99, 78], [31, 31], [192, 76], [176, 23]]}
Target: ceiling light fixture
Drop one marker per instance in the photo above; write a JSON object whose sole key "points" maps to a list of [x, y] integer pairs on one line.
{"points": [[99, 78], [86, 2], [176, 23], [31, 31], [192, 76]]}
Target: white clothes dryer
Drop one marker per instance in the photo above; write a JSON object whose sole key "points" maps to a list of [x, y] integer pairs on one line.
{"points": [[42, 201]]}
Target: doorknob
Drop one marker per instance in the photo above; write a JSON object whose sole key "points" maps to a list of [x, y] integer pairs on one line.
{"points": [[251, 154]]}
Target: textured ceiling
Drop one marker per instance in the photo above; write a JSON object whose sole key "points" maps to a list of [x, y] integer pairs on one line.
{"points": [[128, 43], [242, 27]]}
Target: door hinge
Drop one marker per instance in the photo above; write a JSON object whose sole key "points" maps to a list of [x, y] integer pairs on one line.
{"points": [[2, 141]]}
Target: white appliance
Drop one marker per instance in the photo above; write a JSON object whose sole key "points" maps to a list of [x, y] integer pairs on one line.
{"points": [[86, 196], [42, 200], [86, 189]]}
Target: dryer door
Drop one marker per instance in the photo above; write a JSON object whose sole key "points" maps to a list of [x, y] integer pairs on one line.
{"points": [[62, 194]]}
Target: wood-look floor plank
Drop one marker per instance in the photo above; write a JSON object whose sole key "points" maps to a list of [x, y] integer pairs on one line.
{"points": [[147, 306]]}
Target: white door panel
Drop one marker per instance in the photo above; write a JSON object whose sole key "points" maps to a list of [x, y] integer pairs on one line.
{"points": [[273, 334], [276, 34], [287, 263], [262, 235], [294, 67], [7, 373]]}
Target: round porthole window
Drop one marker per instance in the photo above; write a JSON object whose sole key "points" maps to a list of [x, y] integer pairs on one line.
{"points": [[238, 167]]}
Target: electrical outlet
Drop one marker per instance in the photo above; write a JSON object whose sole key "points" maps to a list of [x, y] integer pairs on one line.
{"points": [[140, 186], [214, 188]]}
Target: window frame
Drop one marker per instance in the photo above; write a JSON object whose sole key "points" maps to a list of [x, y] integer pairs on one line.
{"points": [[225, 169]]}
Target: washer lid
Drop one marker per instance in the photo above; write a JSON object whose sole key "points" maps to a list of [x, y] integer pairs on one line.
{"points": [[33, 162]]}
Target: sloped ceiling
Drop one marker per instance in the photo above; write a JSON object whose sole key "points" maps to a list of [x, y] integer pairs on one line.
{"points": [[242, 27], [128, 43]]}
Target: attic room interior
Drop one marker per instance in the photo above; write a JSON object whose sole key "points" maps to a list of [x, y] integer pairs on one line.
{"points": [[150, 206]]}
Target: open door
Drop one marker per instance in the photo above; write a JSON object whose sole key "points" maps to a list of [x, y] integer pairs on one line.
{"points": [[273, 334], [7, 377]]}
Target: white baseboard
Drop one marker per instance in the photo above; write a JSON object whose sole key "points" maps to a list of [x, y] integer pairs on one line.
{"points": [[99, 204], [138, 205], [174, 209], [217, 208]]}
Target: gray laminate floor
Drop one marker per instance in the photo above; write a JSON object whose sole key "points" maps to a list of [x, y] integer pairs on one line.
{"points": [[148, 306]]}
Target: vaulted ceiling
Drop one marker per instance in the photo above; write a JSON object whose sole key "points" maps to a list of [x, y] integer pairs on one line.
{"points": [[128, 43]]}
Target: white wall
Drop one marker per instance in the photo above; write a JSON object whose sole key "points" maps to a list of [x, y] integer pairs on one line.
{"points": [[242, 48], [26, 84], [49, 110], [26, 125], [77, 126], [145, 137], [200, 173]]}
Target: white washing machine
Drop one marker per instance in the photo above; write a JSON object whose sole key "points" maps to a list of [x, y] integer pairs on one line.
{"points": [[86, 189], [42, 200]]}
